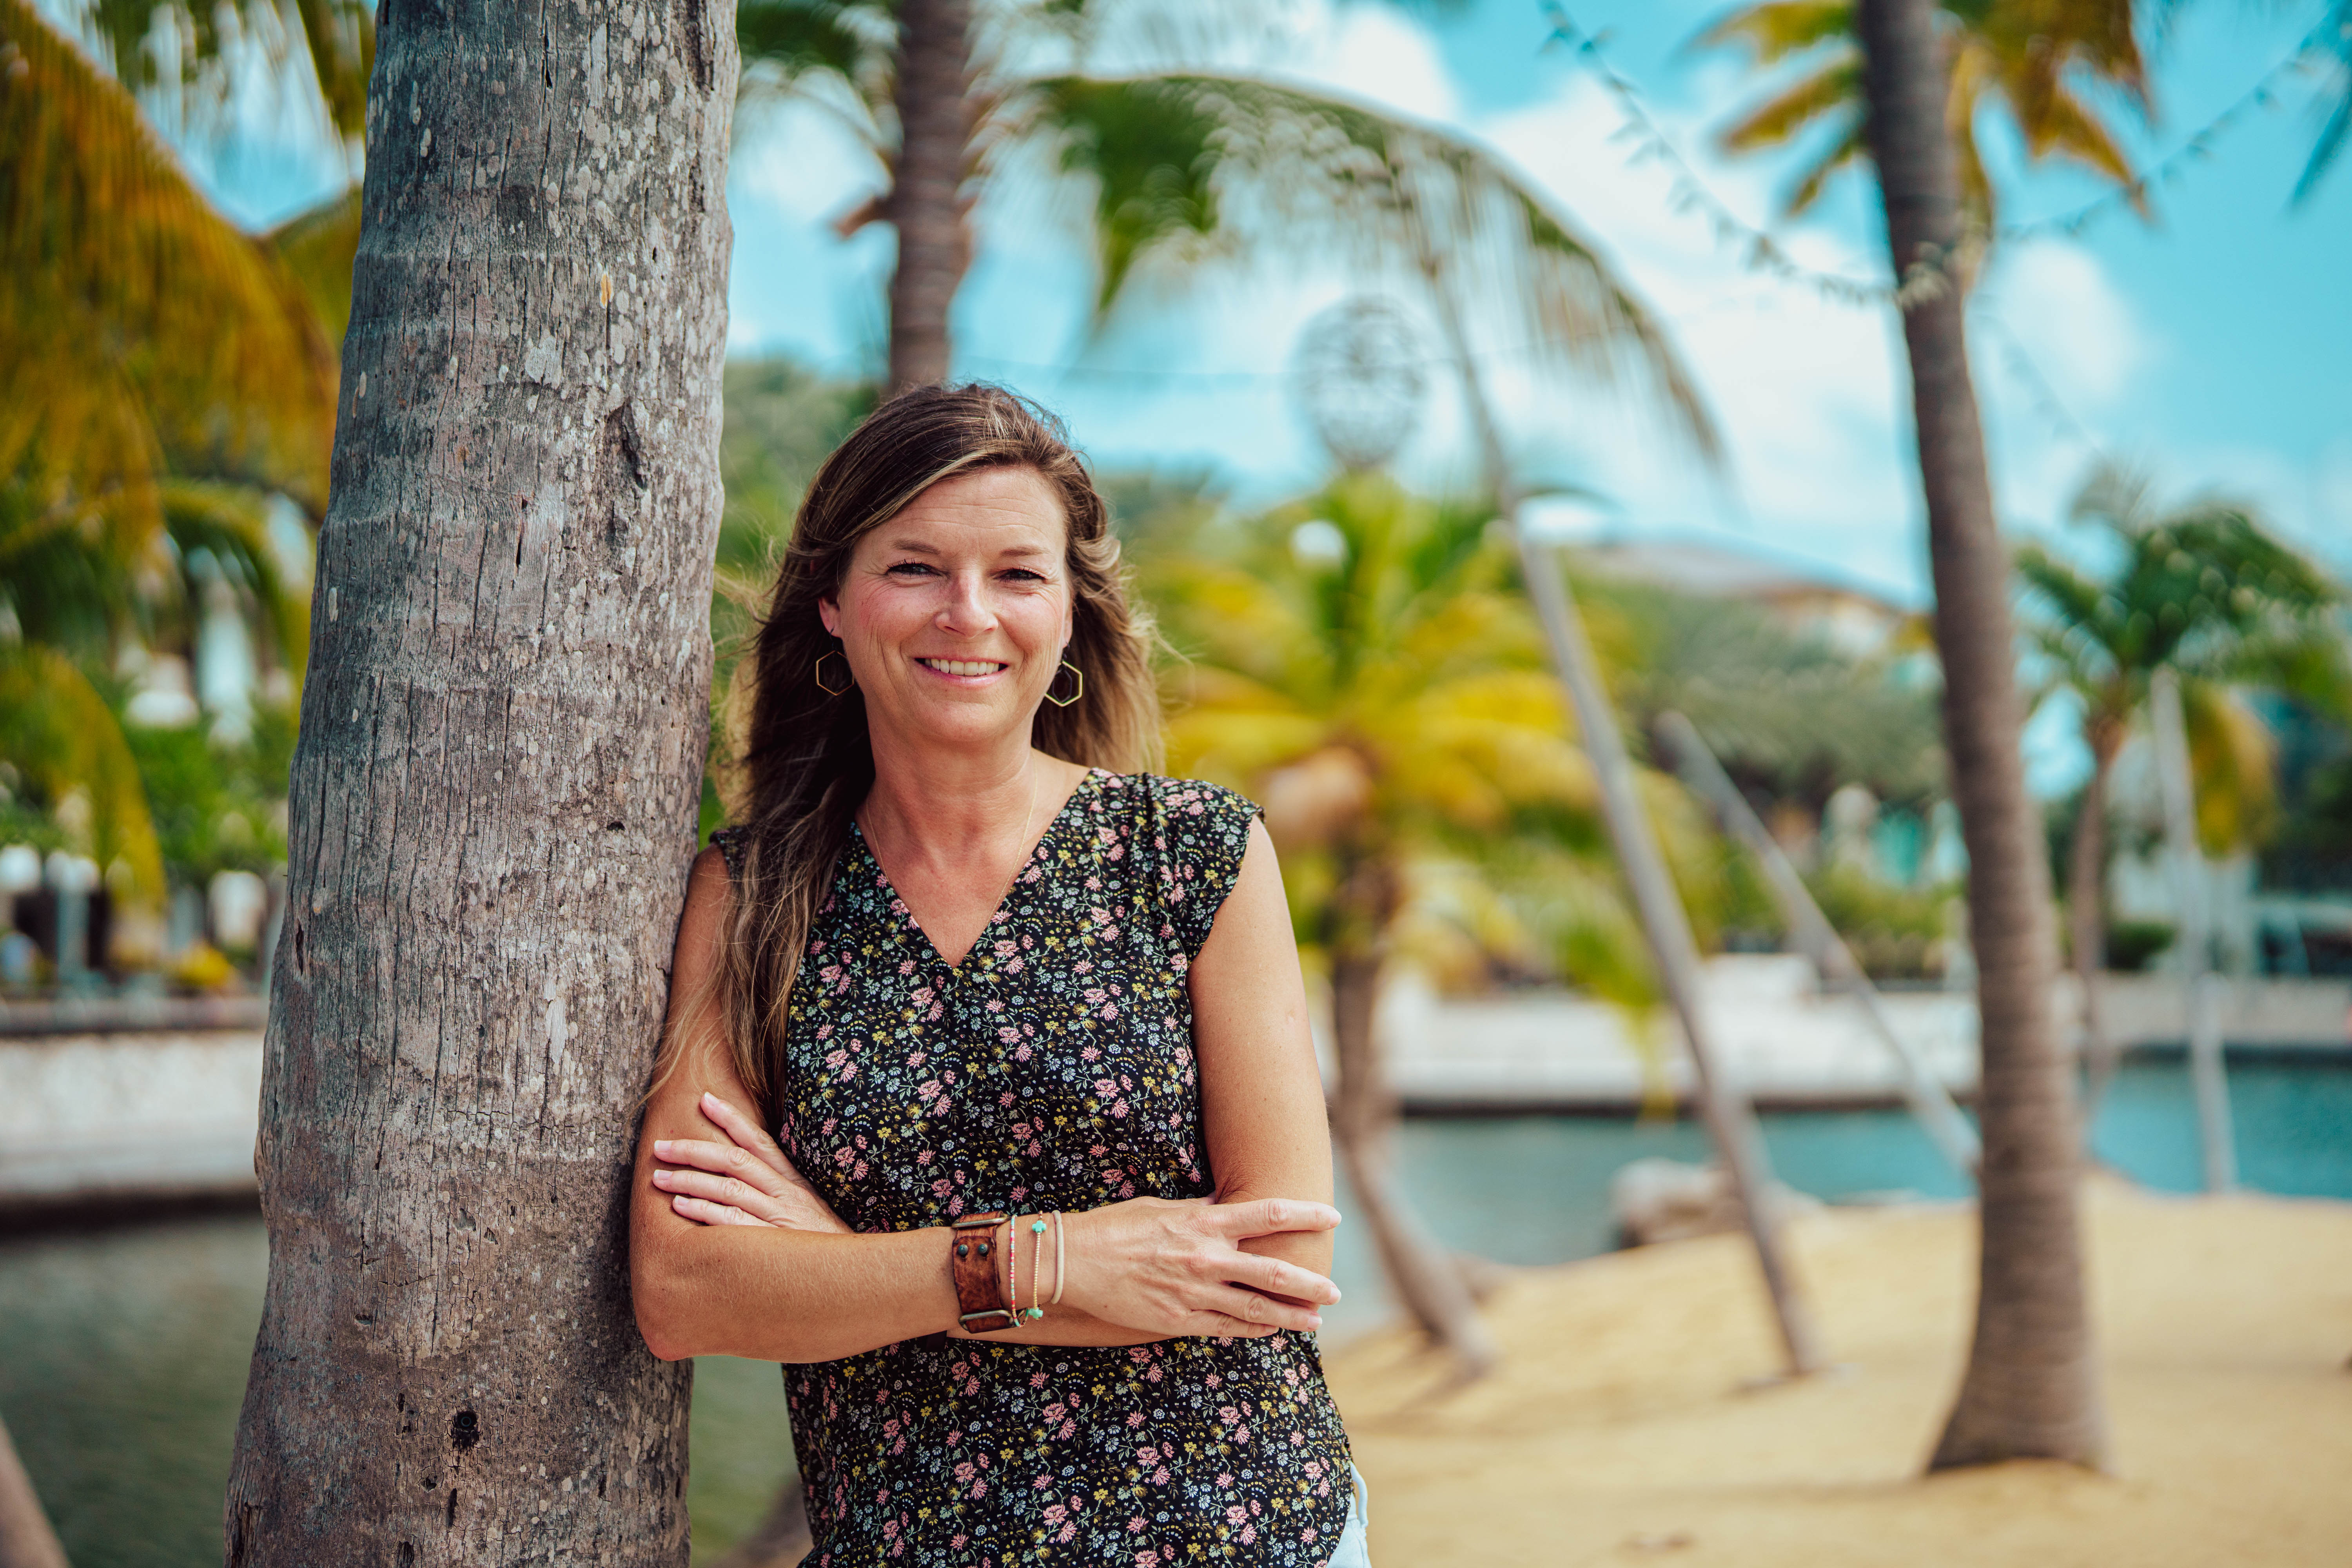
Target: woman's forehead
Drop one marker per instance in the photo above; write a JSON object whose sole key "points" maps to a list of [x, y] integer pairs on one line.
{"points": [[995, 509]]}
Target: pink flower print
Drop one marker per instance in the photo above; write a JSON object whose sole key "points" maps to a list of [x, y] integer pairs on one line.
{"points": [[927, 1090], [1041, 1483], [937, 1008], [1100, 917], [1012, 966], [1008, 1034], [1159, 1476], [994, 1005], [1249, 1534], [1067, 1531], [1004, 947], [1236, 1514], [844, 1155], [1036, 1380], [922, 995], [1094, 884], [980, 1489], [1135, 1525], [939, 1188], [1225, 1479], [1053, 1412], [834, 1058], [1109, 1010], [1135, 1418], [1119, 1109], [1147, 1455], [906, 966], [1147, 1558], [849, 1072], [829, 974], [824, 1031], [1214, 1380], [923, 1156], [960, 1538], [915, 1059], [1023, 1054], [1312, 1469], [1092, 1053], [1105, 1088], [857, 1171]]}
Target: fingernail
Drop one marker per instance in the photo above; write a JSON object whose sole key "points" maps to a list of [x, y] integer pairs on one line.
{"points": [[660, 1177], [661, 1148]]}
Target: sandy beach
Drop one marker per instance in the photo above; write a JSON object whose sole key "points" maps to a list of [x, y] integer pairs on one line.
{"points": [[1633, 1419]]}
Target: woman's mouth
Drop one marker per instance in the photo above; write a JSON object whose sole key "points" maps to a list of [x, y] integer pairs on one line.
{"points": [[962, 667]]}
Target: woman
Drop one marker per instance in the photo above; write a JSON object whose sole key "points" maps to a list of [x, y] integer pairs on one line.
{"points": [[1045, 1217]]}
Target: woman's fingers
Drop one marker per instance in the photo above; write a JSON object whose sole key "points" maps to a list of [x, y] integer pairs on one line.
{"points": [[1264, 1216], [1284, 1279], [1264, 1312], [747, 1133], [728, 1189], [702, 1211], [720, 1158]]}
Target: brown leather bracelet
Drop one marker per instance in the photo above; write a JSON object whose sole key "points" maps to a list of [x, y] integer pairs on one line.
{"points": [[980, 1293]]}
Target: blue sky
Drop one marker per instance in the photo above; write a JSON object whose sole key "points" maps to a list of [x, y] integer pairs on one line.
{"points": [[2213, 348]]}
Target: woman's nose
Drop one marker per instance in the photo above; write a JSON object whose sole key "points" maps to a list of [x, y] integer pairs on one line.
{"points": [[966, 610]]}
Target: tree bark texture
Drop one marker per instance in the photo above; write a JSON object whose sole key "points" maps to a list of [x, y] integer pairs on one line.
{"points": [[927, 204], [493, 803], [2032, 1388]]}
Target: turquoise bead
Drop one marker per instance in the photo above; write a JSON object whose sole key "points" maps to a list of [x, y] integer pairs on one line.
{"points": [[1037, 1226], [1035, 1312]]}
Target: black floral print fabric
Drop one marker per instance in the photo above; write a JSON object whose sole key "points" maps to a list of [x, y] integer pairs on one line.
{"points": [[1051, 1070]]}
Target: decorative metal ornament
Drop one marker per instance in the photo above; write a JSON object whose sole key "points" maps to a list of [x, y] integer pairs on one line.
{"points": [[1359, 377], [848, 679], [1073, 697]]}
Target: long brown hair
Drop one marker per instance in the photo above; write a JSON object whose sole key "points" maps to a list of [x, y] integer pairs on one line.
{"points": [[806, 759]]}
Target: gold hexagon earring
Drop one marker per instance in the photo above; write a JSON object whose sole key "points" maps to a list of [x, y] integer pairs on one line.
{"points": [[1073, 697], [848, 678]]}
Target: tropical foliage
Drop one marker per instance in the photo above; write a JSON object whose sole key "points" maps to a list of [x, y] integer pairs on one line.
{"points": [[1165, 170], [2038, 62], [2203, 588], [162, 376]]}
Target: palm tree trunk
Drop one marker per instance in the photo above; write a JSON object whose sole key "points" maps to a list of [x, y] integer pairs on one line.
{"points": [[2206, 1074], [2086, 915], [1427, 1283], [493, 805], [2032, 1388], [926, 204], [1666, 924], [25, 1539]]}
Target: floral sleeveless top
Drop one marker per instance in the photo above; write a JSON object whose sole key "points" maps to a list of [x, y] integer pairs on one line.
{"points": [[1051, 1070]]}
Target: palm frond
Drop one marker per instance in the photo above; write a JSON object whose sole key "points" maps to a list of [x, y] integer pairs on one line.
{"points": [[1405, 193], [1150, 148], [125, 285], [63, 739]]}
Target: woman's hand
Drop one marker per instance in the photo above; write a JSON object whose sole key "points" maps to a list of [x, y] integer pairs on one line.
{"points": [[1177, 1267], [744, 1181]]}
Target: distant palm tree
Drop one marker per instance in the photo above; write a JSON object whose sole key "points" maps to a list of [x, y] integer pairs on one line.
{"points": [[1363, 663], [2201, 588], [160, 375], [2032, 1387], [2032, 59], [1182, 166]]}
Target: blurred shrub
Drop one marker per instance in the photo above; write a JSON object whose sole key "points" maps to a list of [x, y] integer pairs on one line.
{"points": [[1894, 932]]}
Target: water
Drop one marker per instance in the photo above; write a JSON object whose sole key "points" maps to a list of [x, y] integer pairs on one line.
{"points": [[122, 1352]]}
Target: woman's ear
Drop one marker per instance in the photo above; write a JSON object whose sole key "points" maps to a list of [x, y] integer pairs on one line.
{"points": [[828, 610]]}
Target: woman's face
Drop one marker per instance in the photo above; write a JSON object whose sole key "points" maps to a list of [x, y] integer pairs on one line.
{"points": [[954, 613]]}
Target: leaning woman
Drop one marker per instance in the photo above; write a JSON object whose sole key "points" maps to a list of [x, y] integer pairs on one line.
{"points": [[989, 1106]]}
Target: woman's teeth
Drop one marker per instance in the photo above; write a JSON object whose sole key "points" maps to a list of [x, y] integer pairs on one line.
{"points": [[961, 666]]}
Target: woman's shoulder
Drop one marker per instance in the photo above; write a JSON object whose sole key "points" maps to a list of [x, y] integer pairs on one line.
{"points": [[1186, 808]]}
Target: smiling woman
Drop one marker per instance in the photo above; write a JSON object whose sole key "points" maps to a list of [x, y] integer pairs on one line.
{"points": [[988, 1104]]}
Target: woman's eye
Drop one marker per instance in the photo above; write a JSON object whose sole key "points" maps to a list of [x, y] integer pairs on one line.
{"points": [[917, 567], [1023, 574]]}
